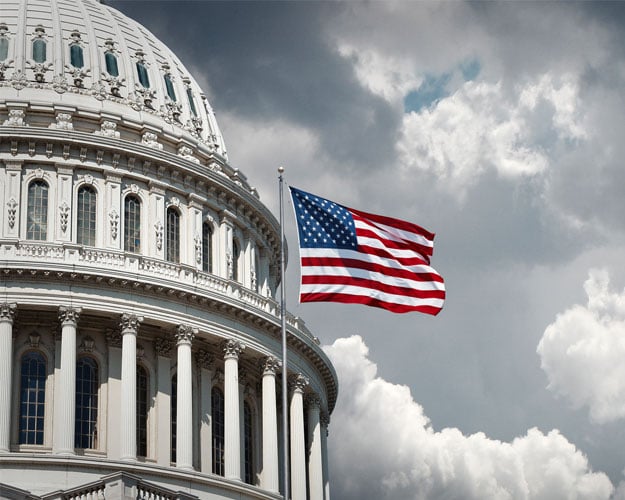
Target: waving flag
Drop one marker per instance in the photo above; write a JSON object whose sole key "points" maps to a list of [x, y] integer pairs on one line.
{"points": [[351, 256]]}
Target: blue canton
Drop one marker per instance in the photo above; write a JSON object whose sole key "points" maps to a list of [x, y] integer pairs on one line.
{"points": [[322, 223]]}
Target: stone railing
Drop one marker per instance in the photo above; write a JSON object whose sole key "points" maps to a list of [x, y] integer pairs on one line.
{"points": [[57, 256]]}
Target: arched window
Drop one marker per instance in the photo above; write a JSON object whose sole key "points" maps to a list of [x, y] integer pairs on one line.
{"points": [[191, 101], [37, 211], [142, 72], [169, 86], [207, 247], [217, 412], [32, 398], [172, 247], [39, 50], [236, 252], [87, 384], [132, 224], [86, 216], [110, 60], [142, 411], [174, 415], [76, 56], [248, 444]]}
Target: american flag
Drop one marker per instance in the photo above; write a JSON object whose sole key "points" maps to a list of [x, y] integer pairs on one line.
{"points": [[351, 256]]}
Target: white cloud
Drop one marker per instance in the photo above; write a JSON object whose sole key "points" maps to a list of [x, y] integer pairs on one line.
{"points": [[582, 351], [384, 447], [482, 127]]}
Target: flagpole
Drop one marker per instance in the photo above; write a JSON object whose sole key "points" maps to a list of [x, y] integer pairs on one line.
{"points": [[285, 420]]}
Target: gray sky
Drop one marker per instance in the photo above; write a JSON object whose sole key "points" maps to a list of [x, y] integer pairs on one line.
{"points": [[498, 126]]}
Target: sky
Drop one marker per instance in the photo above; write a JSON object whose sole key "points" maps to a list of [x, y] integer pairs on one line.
{"points": [[498, 126]]}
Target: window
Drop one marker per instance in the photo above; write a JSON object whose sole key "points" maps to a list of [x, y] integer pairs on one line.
{"points": [[217, 412], [207, 247], [248, 444], [132, 224], [86, 216], [32, 398], [174, 414], [111, 64], [39, 50], [191, 101], [236, 251], [87, 384], [142, 72], [142, 412], [4, 48], [169, 86], [173, 235], [76, 56], [37, 211]]}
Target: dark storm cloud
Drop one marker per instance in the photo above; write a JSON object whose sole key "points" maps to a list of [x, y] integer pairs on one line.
{"points": [[272, 60]]}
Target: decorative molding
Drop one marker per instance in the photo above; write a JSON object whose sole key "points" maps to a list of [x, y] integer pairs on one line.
{"points": [[64, 216], [16, 118], [108, 128], [63, 122], [159, 235], [150, 139], [197, 241], [232, 349], [114, 220], [12, 212], [185, 333]]}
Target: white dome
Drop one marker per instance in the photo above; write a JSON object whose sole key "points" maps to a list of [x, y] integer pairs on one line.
{"points": [[169, 99]]}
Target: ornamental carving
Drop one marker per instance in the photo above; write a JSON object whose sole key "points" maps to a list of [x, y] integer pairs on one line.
{"points": [[108, 129], [185, 334], [15, 119], [59, 84], [78, 75], [313, 400], [33, 340], [159, 234], [298, 382], [270, 365], [197, 241], [4, 65], [204, 359], [19, 80], [39, 70], [63, 122], [113, 338], [163, 347], [150, 139], [324, 418], [115, 83], [114, 220], [8, 311], [12, 212], [129, 323], [87, 344], [69, 315], [98, 90], [175, 201], [187, 153], [64, 216], [232, 348]]}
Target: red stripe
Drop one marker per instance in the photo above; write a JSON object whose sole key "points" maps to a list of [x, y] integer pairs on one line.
{"points": [[369, 301], [391, 221], [398, 245], [370, 266], [373, 285]]}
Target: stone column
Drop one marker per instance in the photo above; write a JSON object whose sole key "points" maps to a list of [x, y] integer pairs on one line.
{"points": [[184, 410], [7, 315], [114, 343], [270, 474], [163, 348], [325, 422], [315, 467], [298, 442], [128, 405], [205, 361], [232, 429], [65, 399]]}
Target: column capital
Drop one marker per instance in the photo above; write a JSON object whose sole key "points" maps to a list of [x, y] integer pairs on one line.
{"points": [[269, 365], [185, 334], [232, 348], [324, 418], [204, 359], [8, 312], [163, 347], [69, 315], [298, 382], [313, 400], [129, 323]]}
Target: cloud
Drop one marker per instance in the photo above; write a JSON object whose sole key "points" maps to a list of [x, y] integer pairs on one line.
{"points": [[582, 351], [384, 447]]}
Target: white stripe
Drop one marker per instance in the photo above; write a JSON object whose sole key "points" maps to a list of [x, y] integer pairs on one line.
{"points": [[395, 252], [393, 233], [363, 257], [368, 292], [376, 276]]}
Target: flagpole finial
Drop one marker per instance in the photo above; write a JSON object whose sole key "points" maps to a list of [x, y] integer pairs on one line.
{"points": [[280, 170]]}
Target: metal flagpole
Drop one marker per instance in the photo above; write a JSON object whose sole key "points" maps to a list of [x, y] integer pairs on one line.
{"points": [[285, 419]]}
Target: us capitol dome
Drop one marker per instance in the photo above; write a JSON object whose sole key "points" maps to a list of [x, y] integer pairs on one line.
{"points": [[140, 338]]}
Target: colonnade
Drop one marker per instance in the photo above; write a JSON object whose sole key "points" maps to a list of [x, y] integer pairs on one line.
{"points": [[314, 466]]}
